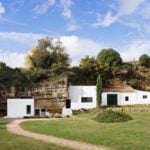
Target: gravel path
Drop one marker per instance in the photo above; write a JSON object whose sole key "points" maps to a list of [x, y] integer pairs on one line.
{"points": [[14, 127]]}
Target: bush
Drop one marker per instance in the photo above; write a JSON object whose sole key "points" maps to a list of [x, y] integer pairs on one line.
{"points": [[109, 116]]}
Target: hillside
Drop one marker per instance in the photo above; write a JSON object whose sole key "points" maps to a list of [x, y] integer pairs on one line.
{"points": [[134, 75]]}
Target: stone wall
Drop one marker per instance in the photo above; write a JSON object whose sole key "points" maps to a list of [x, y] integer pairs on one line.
{"points": [[48, 95]]}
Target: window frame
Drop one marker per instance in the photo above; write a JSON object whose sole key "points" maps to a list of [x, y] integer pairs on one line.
{"points": [[127, 98], [86, 99], [28, 109], [144, 96]]}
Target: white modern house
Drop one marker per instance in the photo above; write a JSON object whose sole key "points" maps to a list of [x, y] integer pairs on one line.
{"points": [[82, 97], [19, 108], [124, 95]]}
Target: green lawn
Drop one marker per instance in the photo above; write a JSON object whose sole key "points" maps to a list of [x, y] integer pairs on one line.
{"points": [[131, 135], [10, 141]]}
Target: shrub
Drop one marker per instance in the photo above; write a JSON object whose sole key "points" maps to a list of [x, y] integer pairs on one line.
{"points": [[109, 116]]}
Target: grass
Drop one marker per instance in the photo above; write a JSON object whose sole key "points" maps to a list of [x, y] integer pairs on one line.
{"points": [[131, 135], [10, 141], [109, 116]]}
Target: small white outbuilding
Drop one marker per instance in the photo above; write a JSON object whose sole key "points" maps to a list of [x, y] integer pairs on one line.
{"points": [[82, 97], [19, 108]]}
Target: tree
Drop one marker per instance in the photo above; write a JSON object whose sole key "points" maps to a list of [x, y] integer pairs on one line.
{"points": [[144, 60], [46, 53], [109, 57], [90, 67], [99, 90], [2, 66]]}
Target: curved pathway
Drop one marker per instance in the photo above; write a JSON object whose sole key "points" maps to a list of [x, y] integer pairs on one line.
{"points": [[14, 127]]}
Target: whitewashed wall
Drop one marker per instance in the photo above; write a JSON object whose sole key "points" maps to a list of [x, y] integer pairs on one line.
{"points": [[140, 99], [134, 98], [121, 98], [16, 108], [77, 92]]}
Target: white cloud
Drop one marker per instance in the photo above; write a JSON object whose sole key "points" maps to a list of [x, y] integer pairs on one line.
{"points": [[43, 8], [13, 59], [2, 9], [145, 11], [135, 49], [107, 20], [20, 37], [125, 7], [66, 4], [79, 47], [15, 43], [73, 27]]}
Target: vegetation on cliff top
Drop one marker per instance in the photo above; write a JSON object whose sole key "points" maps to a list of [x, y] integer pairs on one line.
{"points": [[49, 60]]}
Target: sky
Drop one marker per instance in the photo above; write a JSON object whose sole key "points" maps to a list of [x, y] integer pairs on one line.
{"points": [[83, 26]]}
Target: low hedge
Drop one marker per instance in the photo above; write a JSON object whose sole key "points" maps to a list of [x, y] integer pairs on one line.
{"points": [[109, 116]]}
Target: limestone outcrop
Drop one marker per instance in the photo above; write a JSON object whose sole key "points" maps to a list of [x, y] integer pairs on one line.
{"points": [[48, 95]]}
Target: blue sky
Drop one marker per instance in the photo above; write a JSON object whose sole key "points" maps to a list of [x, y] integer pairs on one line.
{"points": [[84, 27]]}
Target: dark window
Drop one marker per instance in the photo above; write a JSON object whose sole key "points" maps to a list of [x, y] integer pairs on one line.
{"points": [[28, 108], [144, 96], [126, 98], [86, 99], [68, 103], [43, 110], [37, 112]]}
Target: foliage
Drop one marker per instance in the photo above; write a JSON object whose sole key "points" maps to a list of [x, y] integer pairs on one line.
{"points": [[109, 116], [90, 67], [144, 60], [47, 53], [12, 77], [109, 57], [99, 90], [135, 83]]}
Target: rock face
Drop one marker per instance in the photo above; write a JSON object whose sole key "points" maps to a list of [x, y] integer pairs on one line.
{"points": [[48, 95]]}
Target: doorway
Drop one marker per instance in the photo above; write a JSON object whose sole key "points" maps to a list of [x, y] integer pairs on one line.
{"points": [[112, 99]]}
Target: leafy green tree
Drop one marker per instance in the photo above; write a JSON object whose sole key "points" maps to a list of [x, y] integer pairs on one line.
{"points": [[47, 53], [144, 60], [99, 90], [90, 67], [109, 57], [2, 66]]}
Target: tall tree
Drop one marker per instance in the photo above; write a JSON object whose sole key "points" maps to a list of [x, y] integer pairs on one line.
{"points": [[89, 67], [109, 57], [99, 90], [144, 60], [47, 53]]}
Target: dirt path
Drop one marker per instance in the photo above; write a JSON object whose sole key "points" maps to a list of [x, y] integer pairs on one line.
{"points": [[14, 127]]}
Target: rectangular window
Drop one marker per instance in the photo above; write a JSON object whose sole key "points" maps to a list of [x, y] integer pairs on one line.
{"points": [[28, 109], [86, 99], [68, 103], [37, 112], [126, 98], [144, 96], [43, 112]]}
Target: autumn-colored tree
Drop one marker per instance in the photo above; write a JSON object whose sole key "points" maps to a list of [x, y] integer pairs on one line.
{"points": [[47, 53]]}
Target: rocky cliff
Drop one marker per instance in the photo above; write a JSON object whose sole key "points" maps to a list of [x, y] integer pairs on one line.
{"points": [[48, 95]]}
